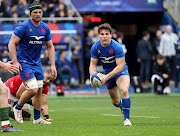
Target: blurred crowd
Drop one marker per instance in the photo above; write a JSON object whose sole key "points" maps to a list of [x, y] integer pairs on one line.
{"points": [[159, 59], [20, 8]]}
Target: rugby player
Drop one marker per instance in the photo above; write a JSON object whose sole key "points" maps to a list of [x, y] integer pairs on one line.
{"points": [[15, 89], [116, 75], [31, 35]]}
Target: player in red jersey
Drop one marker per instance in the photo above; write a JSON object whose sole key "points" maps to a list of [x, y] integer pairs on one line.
{"points": [[16, 87]]}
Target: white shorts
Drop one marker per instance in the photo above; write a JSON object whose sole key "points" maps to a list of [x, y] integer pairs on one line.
{"points": [[12, 100]]}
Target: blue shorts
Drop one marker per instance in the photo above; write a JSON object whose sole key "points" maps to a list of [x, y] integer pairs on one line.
{"points": [[30, 71], [111, 83]]}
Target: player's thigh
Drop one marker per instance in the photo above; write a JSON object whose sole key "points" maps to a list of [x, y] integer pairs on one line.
{"points": [[114, 94], [123, 83]]}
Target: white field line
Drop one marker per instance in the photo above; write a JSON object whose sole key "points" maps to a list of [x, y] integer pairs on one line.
{"points": [[152, 117]]}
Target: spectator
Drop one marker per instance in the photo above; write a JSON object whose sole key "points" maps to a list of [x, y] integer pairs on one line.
{"points": [[22, 9], [70, 16], [61, 11], [167, 48], [114, 35], [160, 74], [75, 47], [2, 9], [15, 17], [144, 56], [87, 54], [120, 40], [4, 56], [95, 37], [7, 8], [63, 66], [45, 9], [156, 42], [177, 64]]}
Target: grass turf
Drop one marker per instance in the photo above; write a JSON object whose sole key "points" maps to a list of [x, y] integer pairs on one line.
{"points": [[95, 116]]}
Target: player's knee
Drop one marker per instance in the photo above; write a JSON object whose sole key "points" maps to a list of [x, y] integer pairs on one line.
{"points": [[124, 92]]}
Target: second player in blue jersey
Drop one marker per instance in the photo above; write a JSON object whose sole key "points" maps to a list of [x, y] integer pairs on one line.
{"points": [[111, 55]]}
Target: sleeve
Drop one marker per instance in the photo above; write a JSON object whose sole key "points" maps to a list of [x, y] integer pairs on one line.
{"points": [[94, 54], [161, 45], [48, 35], [19, 31], [176, 46], [119, 53], [150, 48], [45, 90], [167, 70], [137, 50]]}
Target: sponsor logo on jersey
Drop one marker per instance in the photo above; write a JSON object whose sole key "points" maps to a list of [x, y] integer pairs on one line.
{"points": [[99, 51], [111, 51], [37, 38], [30, 30], [108, 59], [35, 42]]}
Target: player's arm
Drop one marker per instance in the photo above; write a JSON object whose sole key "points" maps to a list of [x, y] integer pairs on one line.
{"points": [[44, 108], [12, 49], [93, 64], [120, 62], [20, 91], [51, 54]]}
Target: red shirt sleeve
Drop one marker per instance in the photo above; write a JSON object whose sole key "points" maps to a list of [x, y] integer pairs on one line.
{"points": [[45, 90]]}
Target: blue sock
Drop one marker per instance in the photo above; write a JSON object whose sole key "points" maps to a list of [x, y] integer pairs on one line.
{"points": [[18, 107], [37, 114], [126, 104]]}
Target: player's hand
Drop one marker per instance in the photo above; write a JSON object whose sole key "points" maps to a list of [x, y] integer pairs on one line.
{"points": [[90, 81], [18, 65], [104, 78], [11, 68], [47, 119], [54, 72], [165, 76]]}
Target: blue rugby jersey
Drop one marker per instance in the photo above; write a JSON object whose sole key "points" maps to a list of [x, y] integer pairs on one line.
{"points": [[32, 39], [107, 55]]}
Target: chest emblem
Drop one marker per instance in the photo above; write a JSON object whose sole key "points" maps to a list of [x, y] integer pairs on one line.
{"points": [[111, 51]]}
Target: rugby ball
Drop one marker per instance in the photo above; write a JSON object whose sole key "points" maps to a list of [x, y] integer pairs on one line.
{"points": [[96, 79]]}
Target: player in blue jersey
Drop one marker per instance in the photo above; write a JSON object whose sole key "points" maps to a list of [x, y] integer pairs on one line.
{"points": [[31, 35], [111, 55]]}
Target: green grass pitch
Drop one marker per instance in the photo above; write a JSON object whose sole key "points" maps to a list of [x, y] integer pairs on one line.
{"points": [[95, 116]]}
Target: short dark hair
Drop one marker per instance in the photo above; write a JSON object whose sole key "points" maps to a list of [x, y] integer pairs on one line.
{"points": [[105, 26], [159, 57], [61, 51], [144, 33]]}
